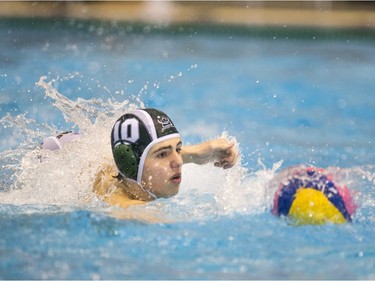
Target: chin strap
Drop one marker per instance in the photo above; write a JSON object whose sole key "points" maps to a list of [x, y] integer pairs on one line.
{"points": [[148, 192], [140, 186]]}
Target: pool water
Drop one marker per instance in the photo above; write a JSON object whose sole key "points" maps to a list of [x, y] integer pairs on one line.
{"points": [[286, 96]]}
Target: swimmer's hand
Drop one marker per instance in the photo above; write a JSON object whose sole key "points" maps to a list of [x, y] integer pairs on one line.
{"points": [[222, 152]]}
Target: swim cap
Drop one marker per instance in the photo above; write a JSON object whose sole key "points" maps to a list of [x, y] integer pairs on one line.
{"points": [[311, 196], [57, 142], [134, 134]]}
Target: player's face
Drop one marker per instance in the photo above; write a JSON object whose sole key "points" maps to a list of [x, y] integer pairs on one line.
{"points": [[162, 168]]}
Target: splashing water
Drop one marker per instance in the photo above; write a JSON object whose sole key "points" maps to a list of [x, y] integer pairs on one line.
{"points": [[35, 176], [31, 175]]}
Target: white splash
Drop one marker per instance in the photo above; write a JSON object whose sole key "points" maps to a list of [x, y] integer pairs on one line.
{"points": [[65, 177], [30, 175]]}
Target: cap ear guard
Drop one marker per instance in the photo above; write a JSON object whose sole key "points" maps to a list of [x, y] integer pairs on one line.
{"points": [[126, 160]]}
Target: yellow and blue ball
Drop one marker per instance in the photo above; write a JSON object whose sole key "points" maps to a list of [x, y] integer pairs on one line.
{"points": [[310, 196]]}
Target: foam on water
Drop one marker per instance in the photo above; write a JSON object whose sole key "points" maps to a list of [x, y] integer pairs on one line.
{"points": [[59, 177], [34, 176]]}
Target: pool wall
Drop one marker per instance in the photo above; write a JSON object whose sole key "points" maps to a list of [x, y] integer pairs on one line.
{"points": [[349, 14]]}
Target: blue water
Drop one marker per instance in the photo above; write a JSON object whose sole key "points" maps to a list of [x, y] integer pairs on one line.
{"points": [[287, 96]]}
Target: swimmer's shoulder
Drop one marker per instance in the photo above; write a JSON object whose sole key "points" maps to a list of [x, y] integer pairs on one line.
{"points": [[104, 180], [107, 187]]}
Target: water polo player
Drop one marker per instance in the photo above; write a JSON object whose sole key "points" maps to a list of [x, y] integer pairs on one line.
{"points": [[309, 195], [149, 155]]}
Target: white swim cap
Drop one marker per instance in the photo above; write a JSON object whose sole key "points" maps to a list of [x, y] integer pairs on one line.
{"points": [[57, 142]]}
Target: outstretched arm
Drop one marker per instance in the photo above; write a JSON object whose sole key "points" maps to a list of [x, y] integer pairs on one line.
{"points": [[222, 152]]}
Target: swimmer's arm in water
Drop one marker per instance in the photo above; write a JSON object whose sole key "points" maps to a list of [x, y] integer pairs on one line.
{"points": [[222, 152]]}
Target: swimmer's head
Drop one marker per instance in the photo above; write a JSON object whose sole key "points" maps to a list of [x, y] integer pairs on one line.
{"points": [[134, 134]]}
